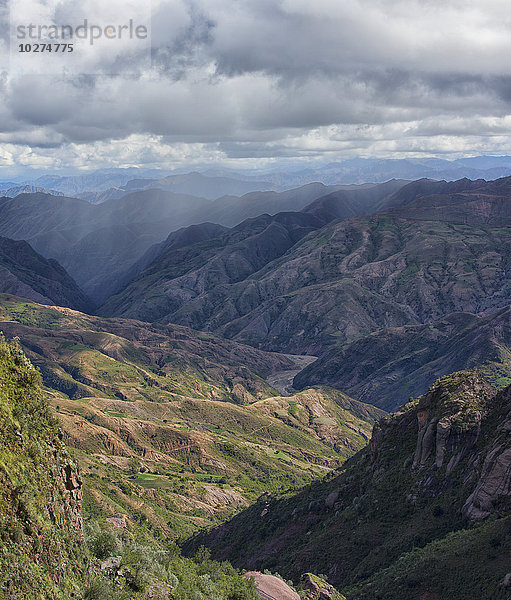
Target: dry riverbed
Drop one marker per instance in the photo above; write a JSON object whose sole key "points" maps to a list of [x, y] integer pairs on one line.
{"points": [[282, 381]]}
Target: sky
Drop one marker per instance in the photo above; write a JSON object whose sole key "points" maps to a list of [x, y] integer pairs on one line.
{"points": [[258, 83]]}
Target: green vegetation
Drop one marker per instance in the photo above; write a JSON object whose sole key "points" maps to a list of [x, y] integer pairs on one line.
{"points": [[174, 431], [88, 356], [28, 313], [42, 555], [393, 522], [466, 564], [131, 569]]}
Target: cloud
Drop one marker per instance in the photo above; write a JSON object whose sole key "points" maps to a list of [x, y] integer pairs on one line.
{"points": [[255, 80]]}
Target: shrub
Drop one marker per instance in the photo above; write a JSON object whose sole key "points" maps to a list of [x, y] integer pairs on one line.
{"points": [[104, 544], [98, 589]]}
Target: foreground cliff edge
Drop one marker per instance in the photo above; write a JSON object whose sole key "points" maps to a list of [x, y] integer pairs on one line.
{"points": [[41, 538], [422, 512], [44, 554]]}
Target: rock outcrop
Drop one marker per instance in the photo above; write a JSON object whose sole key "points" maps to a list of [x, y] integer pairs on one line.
{"points": [[41, 540], [271, 587], [429, 497]]}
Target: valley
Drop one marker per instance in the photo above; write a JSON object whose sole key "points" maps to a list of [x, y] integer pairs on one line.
{"points": [[255, 300], [195, 415], [283, 380], [229, 382]]}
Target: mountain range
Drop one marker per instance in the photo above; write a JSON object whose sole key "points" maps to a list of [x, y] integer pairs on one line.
{"points": [[344, 172], [331, 282], [227, 383], [15, 190], [194, 184], [351, 262], [98, 244]]}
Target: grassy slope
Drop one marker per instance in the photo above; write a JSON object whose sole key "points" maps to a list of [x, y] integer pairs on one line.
{"points": [[174, 429], [42, 550], [41, 544]]}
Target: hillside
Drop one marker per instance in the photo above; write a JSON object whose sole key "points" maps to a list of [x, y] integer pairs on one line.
{"points": [[342, 281], [179, 274], [99, 244], [326, 202], [41, 539], [96, 244], [422, 512], [388, 366], [351, 202], [175, 427], [44, 554], [24, 272]]}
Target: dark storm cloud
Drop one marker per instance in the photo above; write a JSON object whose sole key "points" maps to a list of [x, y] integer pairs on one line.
{"points": [[261, 78]]}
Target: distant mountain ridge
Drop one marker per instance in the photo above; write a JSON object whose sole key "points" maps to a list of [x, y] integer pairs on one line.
{"points": [[193, 183], [378, 170], [342, 172], [99, 244], [16, 190], [24, 272]]}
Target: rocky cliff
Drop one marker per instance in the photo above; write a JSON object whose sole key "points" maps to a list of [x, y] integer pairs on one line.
{"points": [[42, 553], [432, 492]]}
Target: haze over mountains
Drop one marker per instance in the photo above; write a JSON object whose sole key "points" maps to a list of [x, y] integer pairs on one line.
{"points": [[216, 182], [12, 190], [194, 184], [99, 244], [351, 261], [25, 273]]}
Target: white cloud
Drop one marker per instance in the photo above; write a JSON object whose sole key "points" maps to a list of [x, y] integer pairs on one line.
{"points": [[251, 80]]}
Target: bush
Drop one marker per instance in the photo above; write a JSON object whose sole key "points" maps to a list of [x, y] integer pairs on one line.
{"points": [[98, 590], [104, 544]]}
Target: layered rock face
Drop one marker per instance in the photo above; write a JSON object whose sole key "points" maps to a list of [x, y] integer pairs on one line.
{"points": [[463, 437], [493, 489]]}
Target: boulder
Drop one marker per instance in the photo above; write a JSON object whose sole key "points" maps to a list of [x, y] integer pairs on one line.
{"points": [[269, 586], [331, 499]]}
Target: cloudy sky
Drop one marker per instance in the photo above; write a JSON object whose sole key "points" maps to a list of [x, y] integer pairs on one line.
{"points": [[251, 83]]}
